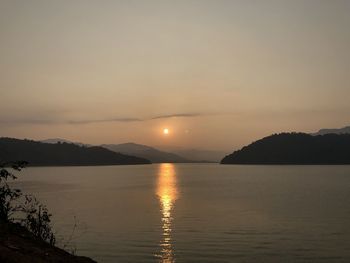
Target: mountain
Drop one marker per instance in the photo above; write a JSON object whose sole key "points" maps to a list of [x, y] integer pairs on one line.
{"points": [[201, 155], [147, 152], [175, 155], [57, 140], [294, 148], [61, 154], [344, 130]]}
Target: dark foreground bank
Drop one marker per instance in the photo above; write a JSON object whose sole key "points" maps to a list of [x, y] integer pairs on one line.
{"points": [[17, 245]]}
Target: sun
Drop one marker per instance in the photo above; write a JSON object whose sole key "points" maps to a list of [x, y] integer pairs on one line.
{"points": [[165, 131]]}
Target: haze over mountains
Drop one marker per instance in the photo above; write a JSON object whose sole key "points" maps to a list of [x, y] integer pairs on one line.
{"points": [[156, 155], [147, 152], [343, 130], [197, 154]]}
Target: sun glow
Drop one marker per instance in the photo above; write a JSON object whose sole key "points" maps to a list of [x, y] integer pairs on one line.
{"points": [[165, 131]]}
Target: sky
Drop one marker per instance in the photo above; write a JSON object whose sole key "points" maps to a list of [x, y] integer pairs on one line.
{"points": [[218, 74]]}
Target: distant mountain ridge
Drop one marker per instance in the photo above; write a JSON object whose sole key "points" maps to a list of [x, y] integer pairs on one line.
{"points": [[147, 152], [294, 148], [154, 154], [61, 154], [344, 130], [59, 140], [201, 155]]}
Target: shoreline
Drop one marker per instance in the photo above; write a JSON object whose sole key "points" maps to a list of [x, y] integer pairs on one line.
{"points": [[17, 245]]}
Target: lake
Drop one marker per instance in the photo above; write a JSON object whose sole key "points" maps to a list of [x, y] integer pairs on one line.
{"points": [[198, 212]]}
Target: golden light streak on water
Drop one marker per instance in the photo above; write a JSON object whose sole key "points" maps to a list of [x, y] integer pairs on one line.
{"points": [[167, 193]]}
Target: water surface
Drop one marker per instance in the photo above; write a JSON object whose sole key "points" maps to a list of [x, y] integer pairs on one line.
{"points": [[199, 212]]}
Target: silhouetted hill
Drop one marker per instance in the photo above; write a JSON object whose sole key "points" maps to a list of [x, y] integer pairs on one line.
{"points": [[61, 154], [294, 148], [57, 140], [149, 153], [344, 130]]}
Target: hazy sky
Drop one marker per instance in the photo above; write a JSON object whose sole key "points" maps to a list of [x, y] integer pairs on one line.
{"points": [[218, 74]]}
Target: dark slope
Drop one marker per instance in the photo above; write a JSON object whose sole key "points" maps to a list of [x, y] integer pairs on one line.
{"points": [[61, 154], [294, 148], [17, 245], [147, 152]]}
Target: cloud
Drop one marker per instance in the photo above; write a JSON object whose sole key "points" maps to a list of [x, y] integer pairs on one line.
{"points": [[104, 120], [128, 119], [54, 120], [27, 121], [179, 115]]}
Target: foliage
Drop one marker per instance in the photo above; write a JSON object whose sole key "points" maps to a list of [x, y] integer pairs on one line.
{"points": [[29, 212], [9, 196], [37, 219]]}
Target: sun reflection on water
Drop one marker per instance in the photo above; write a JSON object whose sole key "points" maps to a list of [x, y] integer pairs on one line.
{"points": [[167, 193]]}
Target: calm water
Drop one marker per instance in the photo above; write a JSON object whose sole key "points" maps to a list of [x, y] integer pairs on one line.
{"points": [[199, 212]]}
